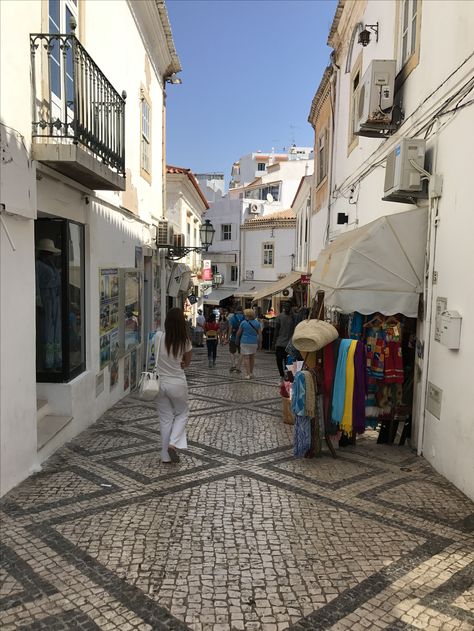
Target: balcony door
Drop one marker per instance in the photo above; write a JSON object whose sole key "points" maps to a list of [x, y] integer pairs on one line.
{"points": [[60, 14]]}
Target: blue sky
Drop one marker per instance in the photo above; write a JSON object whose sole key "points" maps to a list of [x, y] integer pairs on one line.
{"points": [[250, 71]]}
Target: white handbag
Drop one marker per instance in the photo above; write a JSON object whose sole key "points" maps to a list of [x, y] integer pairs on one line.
{"points": [[149, 383]]}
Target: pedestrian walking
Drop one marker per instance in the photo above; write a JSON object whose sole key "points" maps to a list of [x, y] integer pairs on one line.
{"points": [[234, 322], [249, 336], [284, 327], [211, 329], [223, 329], [199, 329], [174, 355]]}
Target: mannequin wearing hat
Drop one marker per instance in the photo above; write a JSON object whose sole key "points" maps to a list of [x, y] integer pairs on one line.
{"points": [[48, 303]]}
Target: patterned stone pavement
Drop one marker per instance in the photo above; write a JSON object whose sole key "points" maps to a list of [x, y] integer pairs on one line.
{"points": [[239, 535]]}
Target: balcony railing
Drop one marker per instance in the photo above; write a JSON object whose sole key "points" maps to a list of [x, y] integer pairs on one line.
{"points": [[73, 101]]}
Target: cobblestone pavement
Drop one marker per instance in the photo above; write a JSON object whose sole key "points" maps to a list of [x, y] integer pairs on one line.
{"points": [[239, 535]]}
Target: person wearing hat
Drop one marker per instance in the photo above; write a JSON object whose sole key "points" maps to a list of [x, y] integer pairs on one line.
{"points": [[48, 303]]}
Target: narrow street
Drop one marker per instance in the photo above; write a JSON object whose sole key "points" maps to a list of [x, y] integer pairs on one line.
{"points": [[239, 535]]}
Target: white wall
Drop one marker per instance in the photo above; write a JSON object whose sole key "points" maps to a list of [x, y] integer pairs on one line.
{"points": [[252, 252], [448, 443]]}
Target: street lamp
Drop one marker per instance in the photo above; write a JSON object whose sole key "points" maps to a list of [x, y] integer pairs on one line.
{"points": [[206, 233]]}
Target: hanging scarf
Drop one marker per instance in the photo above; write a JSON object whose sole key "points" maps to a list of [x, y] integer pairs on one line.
{"points": [[310, 395], [360, 389], [298, 394], [301, 436], [339, 392], [346, 422]]}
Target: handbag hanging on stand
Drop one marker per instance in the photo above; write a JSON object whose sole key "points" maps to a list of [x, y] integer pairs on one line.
{"points": [[149, 384]]}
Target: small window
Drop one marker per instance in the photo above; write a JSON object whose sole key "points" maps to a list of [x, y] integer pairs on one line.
{"points": [[226, 232], [322, 155], [145, 160], [356, 74], [261, 166], [234, 275], [409, 18], [214, 269], [268, 254]]}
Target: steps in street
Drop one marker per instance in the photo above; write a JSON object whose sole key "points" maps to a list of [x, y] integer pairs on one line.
{"points": [[48, 427]]}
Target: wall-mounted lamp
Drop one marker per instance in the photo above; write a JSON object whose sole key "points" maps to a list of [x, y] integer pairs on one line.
{"points": [[364, 35], [174, 79], [206, 233]]}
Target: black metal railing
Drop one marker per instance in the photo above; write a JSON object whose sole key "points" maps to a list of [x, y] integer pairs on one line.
{"points": [[73, 100]]}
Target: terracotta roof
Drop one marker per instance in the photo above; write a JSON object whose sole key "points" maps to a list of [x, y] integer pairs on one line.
{"points": [[183, 171], [281, 214]]}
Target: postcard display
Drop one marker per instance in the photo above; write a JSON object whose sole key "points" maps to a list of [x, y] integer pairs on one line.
{"points": [[120, 322]]}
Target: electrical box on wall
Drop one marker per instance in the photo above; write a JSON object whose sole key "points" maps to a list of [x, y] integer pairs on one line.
{"points": [[450, 329]]}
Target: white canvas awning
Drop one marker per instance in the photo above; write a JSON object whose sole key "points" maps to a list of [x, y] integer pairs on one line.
{"points": [[247, 289], [216, 295], [376, 268], [278, 285]]}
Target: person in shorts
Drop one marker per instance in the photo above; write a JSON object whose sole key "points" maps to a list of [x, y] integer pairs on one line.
{"points": [[235, 321], [250, 337]]}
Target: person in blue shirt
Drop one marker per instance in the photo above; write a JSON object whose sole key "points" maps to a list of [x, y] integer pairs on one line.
{"points": [[235, 321], [249, 336]]}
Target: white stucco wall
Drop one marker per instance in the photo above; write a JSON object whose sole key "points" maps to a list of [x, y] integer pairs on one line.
{"points": [[252, 252], [448, 442]]}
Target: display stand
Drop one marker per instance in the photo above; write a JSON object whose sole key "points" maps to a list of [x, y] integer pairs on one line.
{"points": [[317, 357]]}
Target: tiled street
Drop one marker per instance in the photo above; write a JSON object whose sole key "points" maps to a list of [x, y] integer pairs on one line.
{"points": [[239, 535]]}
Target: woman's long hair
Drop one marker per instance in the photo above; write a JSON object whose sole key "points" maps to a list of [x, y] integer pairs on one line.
{"points": [[176, 333]]}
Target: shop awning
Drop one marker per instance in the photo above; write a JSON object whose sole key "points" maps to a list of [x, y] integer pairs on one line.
{"points": [[217, 295], [247, 289], [376, 268], [277, 286]]}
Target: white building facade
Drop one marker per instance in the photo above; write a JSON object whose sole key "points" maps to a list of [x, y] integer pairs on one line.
{"points": [[81, 198], [433, 69]]}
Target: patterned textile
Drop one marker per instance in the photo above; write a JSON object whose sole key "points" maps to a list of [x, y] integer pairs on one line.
{"points": [[393, 363], [339, 391], [360, 389], [310, 394], [298, 394], [355, 326], [301, 436], [375, 343], [346, 422]]}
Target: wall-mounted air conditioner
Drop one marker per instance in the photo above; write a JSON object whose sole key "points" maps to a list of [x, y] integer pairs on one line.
{"points": [[403, 181], [254, 209], [374, 100], [286, 293]]}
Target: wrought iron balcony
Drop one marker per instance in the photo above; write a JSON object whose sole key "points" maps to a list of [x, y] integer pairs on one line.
{"points": [[78, 116]]}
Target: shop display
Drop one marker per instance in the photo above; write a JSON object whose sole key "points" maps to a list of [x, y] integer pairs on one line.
{"points": [[109, 311]]}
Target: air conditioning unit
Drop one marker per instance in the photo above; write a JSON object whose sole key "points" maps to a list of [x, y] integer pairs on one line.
{"points": [[254, 209], [162, 235], [178, 241], [374, 100], [403, 181], [287, 293]]}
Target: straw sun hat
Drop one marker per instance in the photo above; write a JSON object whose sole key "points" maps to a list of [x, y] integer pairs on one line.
{"points": [[313, 335]]}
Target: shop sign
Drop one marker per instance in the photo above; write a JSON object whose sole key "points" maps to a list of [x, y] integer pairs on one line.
{"points": [[305, 279], [206, 264], [207, 273]]}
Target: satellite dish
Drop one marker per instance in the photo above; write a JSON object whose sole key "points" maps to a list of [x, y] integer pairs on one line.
{"points": [[269, 198]]}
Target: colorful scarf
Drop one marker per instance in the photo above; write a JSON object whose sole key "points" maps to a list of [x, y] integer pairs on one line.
{"points": [[310, 395], [360, 389], [298, 394], [346, 422], [339, 392]]}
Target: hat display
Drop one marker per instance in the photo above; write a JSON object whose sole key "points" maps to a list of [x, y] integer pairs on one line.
{"points": [[47, 245], [313, 335]]}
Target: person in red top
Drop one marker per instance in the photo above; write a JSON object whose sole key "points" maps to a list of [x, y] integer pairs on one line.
{"points": [[211, 329]]}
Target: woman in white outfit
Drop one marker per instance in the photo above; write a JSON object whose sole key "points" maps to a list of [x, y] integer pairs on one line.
{"points": [[174, 354]]}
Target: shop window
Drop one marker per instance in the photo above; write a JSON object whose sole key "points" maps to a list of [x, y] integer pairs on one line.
{"points": [[60, 322]]}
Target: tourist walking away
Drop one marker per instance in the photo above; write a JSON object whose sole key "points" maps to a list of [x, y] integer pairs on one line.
{"points": [[199, 329], [249, 336], [284, 327], [211, 329], [174, 354], [223, 328], [235, 321]]}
